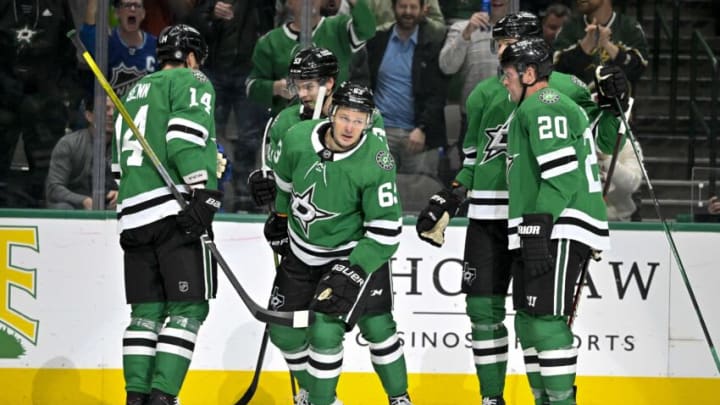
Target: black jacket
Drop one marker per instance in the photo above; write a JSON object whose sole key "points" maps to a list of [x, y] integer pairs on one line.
{"points": [[428, 82], [230, 42]]}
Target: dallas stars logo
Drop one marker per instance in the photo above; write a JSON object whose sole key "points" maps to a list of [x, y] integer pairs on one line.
{"points": [[497, 143], [25, 35], [305, 210]]}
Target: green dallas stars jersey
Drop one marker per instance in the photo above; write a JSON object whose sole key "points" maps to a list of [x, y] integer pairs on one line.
{"points": [[339, 205], [292, 115], [552, 168], [489, 110], [173, 109], [341, 34]]}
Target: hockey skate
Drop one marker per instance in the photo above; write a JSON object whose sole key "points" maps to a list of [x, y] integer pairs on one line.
{"points": [[160, 398], [136, 398], [493, 401], [301, 398], [403, 399]]}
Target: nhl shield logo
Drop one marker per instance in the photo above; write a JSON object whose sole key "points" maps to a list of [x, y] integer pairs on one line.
{"points": [[469, 274], [183, 286]]}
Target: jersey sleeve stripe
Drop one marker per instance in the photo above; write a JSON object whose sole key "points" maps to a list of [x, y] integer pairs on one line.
{"points": [[185, 137], [283, 185], [384, 231], [383, 223], [355, 43], [192, 127], [558, 167], [556, 154], [383, 239]]}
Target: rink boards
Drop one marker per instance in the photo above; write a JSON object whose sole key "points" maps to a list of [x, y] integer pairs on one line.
{"points": [[63, 316]]}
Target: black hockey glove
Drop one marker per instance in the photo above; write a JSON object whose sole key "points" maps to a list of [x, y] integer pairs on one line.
{"points": [[262, 186], [611, 82], [276, 233], [338, 289], [196, 217], [434, 218], [535, 231]]}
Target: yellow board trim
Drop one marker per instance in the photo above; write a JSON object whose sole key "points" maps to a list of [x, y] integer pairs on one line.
{"points": [[105, 387]]}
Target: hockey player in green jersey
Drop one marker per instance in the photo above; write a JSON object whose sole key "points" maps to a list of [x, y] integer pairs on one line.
{"points": [[337, 206], [556, 214], [169, 274], [487, 259], [312, 78], [343, 35]]}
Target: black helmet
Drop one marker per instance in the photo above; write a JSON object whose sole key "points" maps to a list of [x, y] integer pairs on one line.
{"points": [[527, 52], [175, 42], [313, 63], [519, 25], [353, 96]]}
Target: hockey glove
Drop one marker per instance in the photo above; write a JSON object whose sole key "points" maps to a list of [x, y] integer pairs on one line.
{"points": [[434, 218], [262, 186], [196, 217], [338, 289], [276, 233], [611, 82], [535, 231]]}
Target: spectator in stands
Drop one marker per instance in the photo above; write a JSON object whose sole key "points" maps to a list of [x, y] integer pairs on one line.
{"points": [[38, 81], [231, 29], [553, 19], [599, 35], [69, 180], [161, 13], [267, 84], [131, 51], [410, 89], [467, 49], [625, 181], [385, 15]]}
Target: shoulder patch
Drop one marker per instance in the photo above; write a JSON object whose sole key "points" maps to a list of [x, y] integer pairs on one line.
{"points": [[200, 76], [385, 160], [548, 96]]}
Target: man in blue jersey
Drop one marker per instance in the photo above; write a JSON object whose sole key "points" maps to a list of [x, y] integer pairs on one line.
{"points": [[131, 51]]}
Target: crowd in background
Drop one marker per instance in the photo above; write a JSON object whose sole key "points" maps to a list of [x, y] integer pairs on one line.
{"points": [[422, 61]]}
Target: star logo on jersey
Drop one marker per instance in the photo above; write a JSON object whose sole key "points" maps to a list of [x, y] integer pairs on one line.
{"points": [[24, 36], [305, 210], [497, 142]]}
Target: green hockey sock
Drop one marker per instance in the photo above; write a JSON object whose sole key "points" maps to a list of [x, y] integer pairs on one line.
{"points": [[489, 342], [176, 344], [386, 352]]}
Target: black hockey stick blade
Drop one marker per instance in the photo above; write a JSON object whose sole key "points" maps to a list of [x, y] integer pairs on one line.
{"points": [[250, 391], [294, 319]]}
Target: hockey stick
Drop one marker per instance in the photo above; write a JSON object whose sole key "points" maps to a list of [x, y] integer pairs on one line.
{"points": [[250, 391], [671, 241], [292, 319], [595, 255]]}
